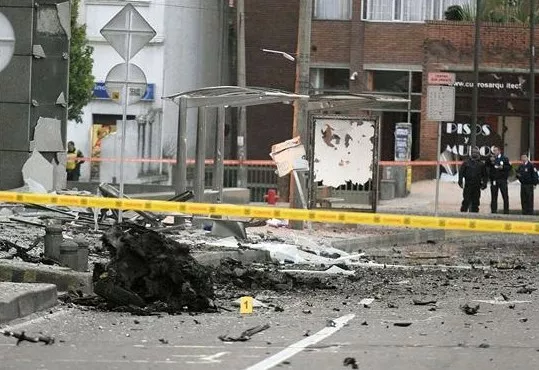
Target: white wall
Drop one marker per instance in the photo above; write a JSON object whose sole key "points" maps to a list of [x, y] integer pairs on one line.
{"points": [[96, 13], [186, 54]]}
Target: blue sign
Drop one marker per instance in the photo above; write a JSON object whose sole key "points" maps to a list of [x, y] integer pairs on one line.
{"points": [[101, 93]]}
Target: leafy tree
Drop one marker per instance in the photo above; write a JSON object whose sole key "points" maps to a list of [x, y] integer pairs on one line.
{"points": [[497, 11], [81, 80]]}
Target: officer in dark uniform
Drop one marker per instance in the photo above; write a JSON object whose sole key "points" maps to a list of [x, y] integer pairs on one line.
{"points": [[498, 171], [527, 175], [474, 173]]}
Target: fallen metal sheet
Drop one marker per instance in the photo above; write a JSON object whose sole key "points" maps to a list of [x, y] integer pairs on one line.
{"points": [[333, 270], [110, 191], [499, 301], [229, 242], [226, 228]]}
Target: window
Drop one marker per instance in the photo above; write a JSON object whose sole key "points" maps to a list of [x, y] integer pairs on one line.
{"points": [[333, 9], [408, 10], [325, 80], [406, 84]]}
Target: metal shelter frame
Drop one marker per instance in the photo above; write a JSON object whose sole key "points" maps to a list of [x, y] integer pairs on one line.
{"points": [[223, 97], [220, 97]]}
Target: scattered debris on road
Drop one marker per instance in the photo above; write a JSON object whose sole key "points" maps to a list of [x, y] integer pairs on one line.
{"points": [[420, 302], [350, 361], [246, 335], [470, 310], [403, 324], [526, 290], [22, 337]]}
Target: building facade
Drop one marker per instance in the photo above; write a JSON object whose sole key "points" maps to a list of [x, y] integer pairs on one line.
{"points": [[188, 52], [389, 47]]}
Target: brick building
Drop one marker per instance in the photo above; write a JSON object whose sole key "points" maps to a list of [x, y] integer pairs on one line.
{"points": [[393, 45]]}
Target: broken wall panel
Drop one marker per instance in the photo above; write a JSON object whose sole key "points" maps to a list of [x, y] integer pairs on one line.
{"points": [[40, 170], [30, 85], [343, 150], [47, 135]]}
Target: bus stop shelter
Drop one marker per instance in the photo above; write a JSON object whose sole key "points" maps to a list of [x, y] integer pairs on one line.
{"points": [[220, 97], [223, 97]]}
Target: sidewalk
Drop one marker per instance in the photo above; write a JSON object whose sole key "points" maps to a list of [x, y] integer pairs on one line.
{"points": [[423, 194]]}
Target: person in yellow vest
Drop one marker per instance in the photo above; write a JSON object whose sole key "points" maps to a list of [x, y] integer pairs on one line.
{"points": [[73, 162]]}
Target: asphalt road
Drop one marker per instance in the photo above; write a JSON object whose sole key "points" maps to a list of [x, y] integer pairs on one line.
{"points": [[444, 338], [318, 329]]}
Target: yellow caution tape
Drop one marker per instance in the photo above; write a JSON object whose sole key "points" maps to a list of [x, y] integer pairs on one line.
{"points": [[341, 217]]}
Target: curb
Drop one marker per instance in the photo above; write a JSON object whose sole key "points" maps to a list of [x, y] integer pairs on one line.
{"points": [[18, 300], [64, 278], [244, 256], [396, 239]]}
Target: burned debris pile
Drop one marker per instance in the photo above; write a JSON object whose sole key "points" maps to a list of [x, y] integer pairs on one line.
{"points": [[146, 268]]}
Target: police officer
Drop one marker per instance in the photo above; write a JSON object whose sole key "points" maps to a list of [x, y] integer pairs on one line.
{"points": [[498, 169], [474, 173], [527, 175], [73, 162]]}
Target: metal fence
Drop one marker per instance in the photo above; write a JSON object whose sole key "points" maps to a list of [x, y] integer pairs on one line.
{"points": [[260, 178]]}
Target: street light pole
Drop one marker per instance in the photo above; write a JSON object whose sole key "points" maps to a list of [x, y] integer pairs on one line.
{"points": [[532, 81], [475, 92]]}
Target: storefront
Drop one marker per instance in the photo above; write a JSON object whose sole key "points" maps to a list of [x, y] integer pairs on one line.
{"points": [[503, 115]]}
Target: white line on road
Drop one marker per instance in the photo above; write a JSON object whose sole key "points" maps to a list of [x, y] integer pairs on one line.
{"points": [[297, 347]]}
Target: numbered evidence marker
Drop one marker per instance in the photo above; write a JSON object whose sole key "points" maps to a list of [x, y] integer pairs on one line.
{"points": [[246, 305]]}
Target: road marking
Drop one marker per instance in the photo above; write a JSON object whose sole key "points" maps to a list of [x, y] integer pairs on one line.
{"points": [[202, 347], [204, 359], [35, 320], [297, 347]]}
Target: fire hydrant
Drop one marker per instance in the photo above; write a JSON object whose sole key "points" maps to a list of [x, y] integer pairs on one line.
{"points": [[271, 197]]}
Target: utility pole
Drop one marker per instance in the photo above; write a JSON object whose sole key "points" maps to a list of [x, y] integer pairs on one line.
{"points": [[301, 113], [475, 92], [532, 81], [242, 82]]}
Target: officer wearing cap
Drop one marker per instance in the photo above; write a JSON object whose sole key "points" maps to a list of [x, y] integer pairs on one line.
{"points": [[498, 169], [527, 175], [473, 178]]}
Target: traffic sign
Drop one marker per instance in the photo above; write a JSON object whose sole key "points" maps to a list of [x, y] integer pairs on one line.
{"points": [[441, 78], [440, 103], [127, 32], [115, 83]]}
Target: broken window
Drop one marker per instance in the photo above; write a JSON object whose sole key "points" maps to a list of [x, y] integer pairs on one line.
{"points": [[330, 80]]}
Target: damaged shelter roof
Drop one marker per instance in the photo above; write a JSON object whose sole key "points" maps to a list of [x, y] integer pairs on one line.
{"points": [[235, 96], [363, 101]]}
